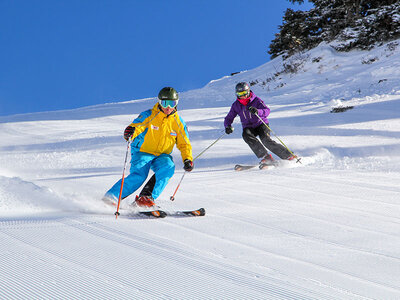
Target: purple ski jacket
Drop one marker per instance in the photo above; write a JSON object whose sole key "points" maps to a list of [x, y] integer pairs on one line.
{"points": [[247, 118]]}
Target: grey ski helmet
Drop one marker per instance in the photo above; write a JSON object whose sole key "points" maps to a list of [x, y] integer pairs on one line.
{"points": [[242, 89]]}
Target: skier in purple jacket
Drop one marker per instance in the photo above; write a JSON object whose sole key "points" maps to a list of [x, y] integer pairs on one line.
{"points": [[247, 106]]}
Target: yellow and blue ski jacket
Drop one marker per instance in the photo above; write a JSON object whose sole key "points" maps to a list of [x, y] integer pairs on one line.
{"points": [[156, 133]]}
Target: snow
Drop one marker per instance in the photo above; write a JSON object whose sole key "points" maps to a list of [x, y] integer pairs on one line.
{"points": [[328, 228]]}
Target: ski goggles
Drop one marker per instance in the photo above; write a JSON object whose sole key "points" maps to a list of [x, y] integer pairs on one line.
{"points": [[168, 103], [242, 94]]}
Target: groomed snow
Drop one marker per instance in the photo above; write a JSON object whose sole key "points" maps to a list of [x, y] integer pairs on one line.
{"points": [[328, 228]]}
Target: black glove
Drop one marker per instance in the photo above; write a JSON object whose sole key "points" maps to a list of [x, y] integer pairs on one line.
{"points": [[253, 110], [188, 165], [128, 132], [228, 130]]}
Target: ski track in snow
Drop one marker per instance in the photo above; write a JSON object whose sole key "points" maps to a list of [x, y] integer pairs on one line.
{"points": [[113, 274], [324, 229], [374, 254]]}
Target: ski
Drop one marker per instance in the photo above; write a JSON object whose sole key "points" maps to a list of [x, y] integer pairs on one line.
{"points": [[268, 165], [154, 213], [158, 213], [260, 166], [195, 213], [244, 167]]}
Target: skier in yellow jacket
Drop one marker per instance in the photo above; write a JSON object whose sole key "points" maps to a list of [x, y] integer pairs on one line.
{"points": [[154, 133]]}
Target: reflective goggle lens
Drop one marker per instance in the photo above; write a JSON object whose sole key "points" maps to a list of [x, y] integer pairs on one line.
{"points": [[168, 103], [241, 94]]}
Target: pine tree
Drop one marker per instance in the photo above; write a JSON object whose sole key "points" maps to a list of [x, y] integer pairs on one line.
{"points": [[352, 23]]}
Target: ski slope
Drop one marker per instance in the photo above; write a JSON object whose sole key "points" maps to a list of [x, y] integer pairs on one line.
{"points": [[328, 228]]}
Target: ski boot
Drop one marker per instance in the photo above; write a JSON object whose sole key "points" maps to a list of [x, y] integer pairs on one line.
{"points": [[144, 201], [267, 160]]}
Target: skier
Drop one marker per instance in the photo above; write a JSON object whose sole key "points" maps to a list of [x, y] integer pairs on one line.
{"points": [[154, 133], [247, 106]]}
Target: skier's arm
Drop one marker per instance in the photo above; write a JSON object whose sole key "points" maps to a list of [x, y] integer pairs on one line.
{"points": [[183, 142], [262, 109], [230, 117], [139, 124]]}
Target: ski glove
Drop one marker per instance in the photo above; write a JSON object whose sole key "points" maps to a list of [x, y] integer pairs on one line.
{"points": [[128, 132], [228, 130], [253, 110], [188, 165]]}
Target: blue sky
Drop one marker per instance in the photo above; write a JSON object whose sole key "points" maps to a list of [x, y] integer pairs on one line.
{"points": [[57, 54]]}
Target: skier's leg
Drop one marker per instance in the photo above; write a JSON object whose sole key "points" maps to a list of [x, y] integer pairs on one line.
{"points": [[250, 137], [147, 190], [278, 149], [164, 168], [140, 167]]}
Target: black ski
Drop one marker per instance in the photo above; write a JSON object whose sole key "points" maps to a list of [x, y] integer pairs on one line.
{"points": [[195, 213], [158, 213], [154, 213]]}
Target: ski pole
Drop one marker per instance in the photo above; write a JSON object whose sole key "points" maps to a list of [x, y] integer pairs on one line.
{"points": [[297, 159], [172, 198], [123, 178]]}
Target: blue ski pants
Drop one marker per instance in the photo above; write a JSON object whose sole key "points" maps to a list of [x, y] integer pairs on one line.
{"points": [[141, 163]]}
